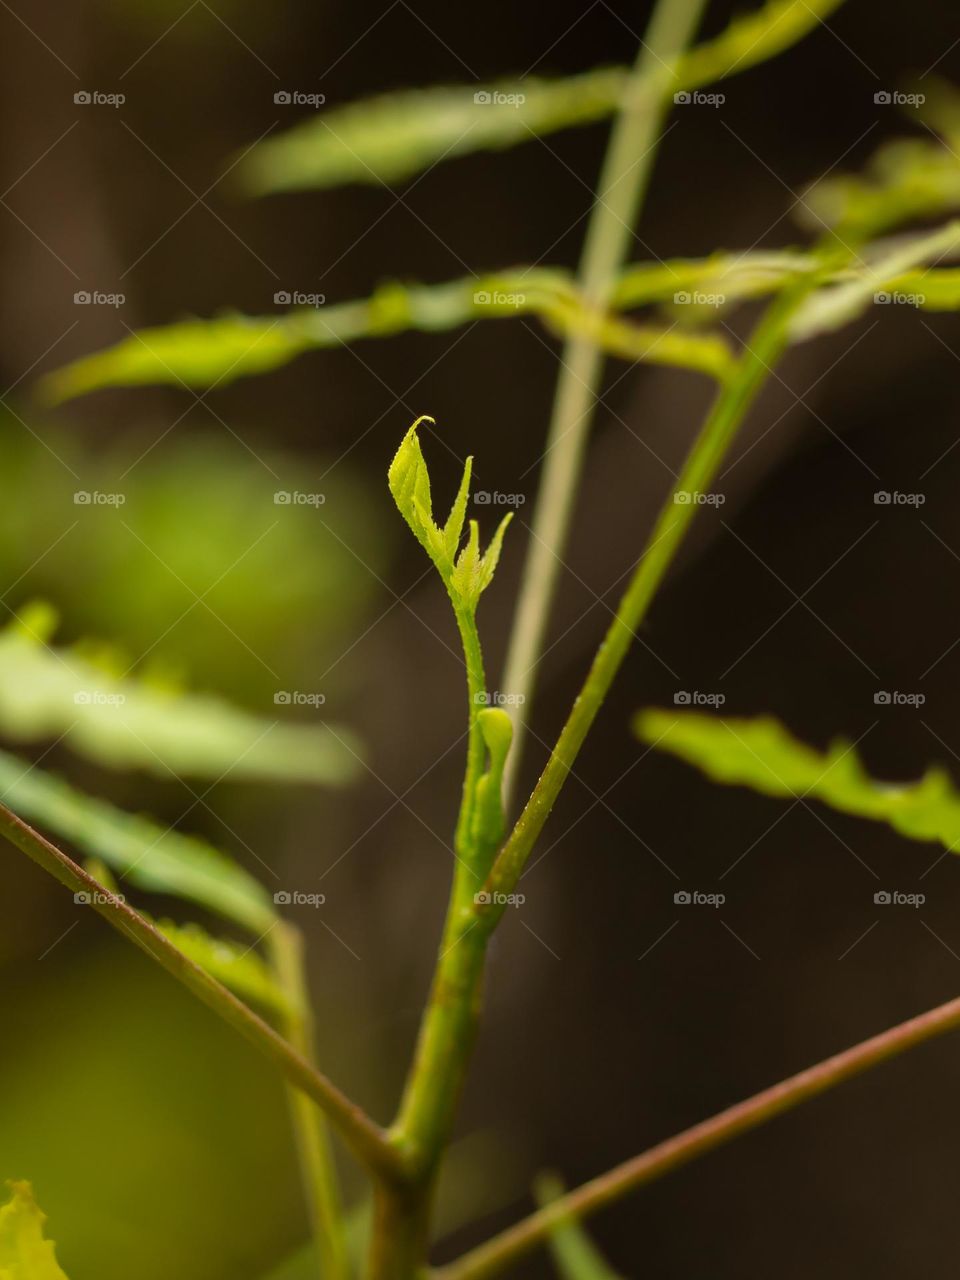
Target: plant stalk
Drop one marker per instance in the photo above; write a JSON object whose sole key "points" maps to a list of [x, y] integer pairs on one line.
{"points": [[318, 1169], [764, 348], [504, 1250], [622, 187], [366, 1139]]}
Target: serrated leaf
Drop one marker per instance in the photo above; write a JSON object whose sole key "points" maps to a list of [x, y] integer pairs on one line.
{"points": [[144, 853], [465, 575], [125, 723], [25, 1254], [240, 968], [385, 139], [389, 138], [199, 354], [575, 1256], [763, 755]]}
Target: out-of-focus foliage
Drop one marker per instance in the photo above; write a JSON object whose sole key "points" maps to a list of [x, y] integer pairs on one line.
{"points": [[392, 137], [388, 138], [834, 307], [96, 708], [200, 569], [144, 853], [119, 1085], [761, 754], [206, 353], [575, 1256], [25, 1254], [906, 180]]}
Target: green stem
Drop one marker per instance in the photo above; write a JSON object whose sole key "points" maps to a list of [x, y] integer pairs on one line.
{"points": [[318, 1169], [622, 187], [367, 1141], [503, 1251], [764, 349]]}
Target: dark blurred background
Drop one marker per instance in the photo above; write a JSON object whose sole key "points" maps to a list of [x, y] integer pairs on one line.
{"points": [[157, 1141]]}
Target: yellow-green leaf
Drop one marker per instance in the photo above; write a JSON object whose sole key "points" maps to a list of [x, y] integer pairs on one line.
{"points": [[144, 853], [763, 755], [25, 1253], [385, 139], [124, 722]]}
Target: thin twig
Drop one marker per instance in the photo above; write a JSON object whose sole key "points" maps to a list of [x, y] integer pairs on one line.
{"points": [[365, 1138], [504, 1250]]}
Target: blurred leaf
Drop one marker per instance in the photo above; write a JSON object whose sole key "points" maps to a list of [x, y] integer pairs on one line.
{"points": [[752, 38], [465, 575], [575, 1255], [729, 276], [123, 722], [24, 1253], [146, 854], [386, 139], [762, 755], [240, 968], [838, 305], [905, 181], [200, 354]]}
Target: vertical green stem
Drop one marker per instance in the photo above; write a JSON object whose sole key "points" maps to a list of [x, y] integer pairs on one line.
{"points": [[317, 1168], [765, 347], [620, 194]]}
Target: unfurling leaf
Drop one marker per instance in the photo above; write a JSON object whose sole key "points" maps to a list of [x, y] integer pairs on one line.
{"points": [[467, 575], [761, 754], [143, 853], [24, 1252], [124, 722]]}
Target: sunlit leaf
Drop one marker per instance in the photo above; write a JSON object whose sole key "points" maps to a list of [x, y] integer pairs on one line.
{"points": [[144, 853], [124, 722], [468, 574], [198, 354], [575, 1256], [764, 756], [25, 1254]]}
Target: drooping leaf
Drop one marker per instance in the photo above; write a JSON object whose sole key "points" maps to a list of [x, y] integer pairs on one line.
{"points": [[143, 853], [575, 1256], [124, 722], [468, 574], [240, 968], [764, 756], [25, 1254], [389, 138]]}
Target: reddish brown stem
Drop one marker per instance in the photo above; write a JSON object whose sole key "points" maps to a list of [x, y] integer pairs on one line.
{"points": [[504, 1250]]}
